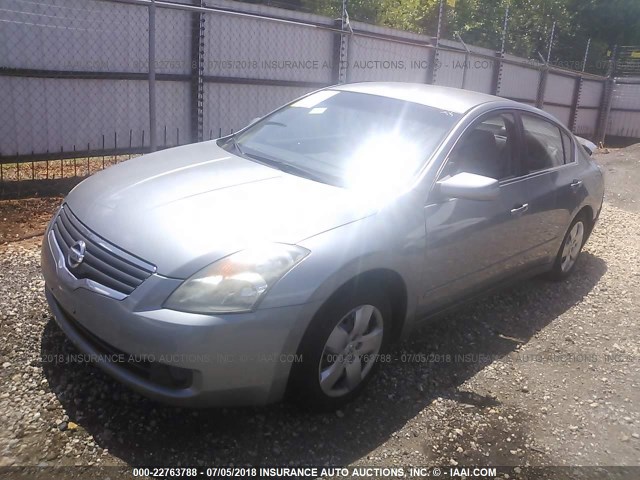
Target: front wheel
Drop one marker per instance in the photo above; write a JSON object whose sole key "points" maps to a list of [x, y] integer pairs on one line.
{"points": [[341, 348], [570, 249]]}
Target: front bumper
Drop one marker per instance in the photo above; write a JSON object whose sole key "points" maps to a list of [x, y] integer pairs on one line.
{"points": [[175, 357]]}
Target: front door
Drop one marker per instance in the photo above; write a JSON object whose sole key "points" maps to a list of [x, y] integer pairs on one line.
{"points": [[471, 243]]}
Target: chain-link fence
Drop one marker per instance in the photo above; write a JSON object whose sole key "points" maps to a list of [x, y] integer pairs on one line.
{"points": [[77, 76]]}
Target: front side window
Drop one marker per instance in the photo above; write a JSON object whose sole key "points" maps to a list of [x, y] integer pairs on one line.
{"points": [[349, 139], [488, 149], [543, 147]]}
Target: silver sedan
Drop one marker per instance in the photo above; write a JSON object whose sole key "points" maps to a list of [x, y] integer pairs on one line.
{"points": [[286, 258]]}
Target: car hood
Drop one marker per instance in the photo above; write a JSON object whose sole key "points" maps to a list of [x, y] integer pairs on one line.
{"points": [[185, 207]]}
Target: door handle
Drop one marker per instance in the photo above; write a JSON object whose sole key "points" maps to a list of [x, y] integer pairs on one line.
{"points": [[521, 209], [575, 185]]}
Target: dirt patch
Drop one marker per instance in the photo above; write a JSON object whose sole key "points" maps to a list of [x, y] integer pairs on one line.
{"points": [[26, 218]]}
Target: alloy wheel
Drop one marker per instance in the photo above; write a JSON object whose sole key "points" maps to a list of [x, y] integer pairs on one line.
{"points": [[572, 246], [350, 351]]}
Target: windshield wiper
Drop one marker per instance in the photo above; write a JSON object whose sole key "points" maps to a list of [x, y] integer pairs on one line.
{"points": [[284, 166], [295, 169], [271, 122]]}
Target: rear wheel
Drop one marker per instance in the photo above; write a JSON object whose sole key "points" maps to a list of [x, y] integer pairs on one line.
{"points": [[340, 350], [570, 249]]}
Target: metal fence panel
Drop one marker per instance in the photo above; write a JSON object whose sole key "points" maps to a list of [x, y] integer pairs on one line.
{"points": [[229, 107], [173, 41], [479, 76], [591, 93], [173, 104], [449, 69], [559, 89], [514, 80], [561, 113], [254, 48], [268, 11], [49, 43], [586, 122], [49, 115], [624, 124], [626, 96], [381, 60], [73, 35], [624, 119]]}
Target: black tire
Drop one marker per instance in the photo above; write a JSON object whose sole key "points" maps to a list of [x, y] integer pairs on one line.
{"points": [[557, 272], [304, 387]]}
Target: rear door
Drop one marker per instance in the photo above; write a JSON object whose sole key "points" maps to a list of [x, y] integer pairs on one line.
{"points": [[545, 169], [571, 191]]}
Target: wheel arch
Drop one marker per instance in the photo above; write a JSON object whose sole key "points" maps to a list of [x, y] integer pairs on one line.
{"points": [[588, 213], [391, 281]]}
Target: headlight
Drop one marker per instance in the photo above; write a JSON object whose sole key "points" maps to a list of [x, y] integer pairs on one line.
{"points": [[235, 283]]}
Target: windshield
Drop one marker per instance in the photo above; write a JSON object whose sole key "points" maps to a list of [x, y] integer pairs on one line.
{"points": [[348, 139]]}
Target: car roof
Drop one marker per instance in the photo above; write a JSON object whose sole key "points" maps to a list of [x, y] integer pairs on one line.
{"points": [[446, 98]]}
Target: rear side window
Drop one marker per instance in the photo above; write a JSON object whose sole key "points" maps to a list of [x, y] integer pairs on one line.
{"points": [[543, 144], [568, 148]]}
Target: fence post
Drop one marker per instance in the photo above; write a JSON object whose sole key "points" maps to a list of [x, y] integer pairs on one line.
{"points": [[607, 96], [497, 73], [542, 84], [152, 76], [432, 65], [197, 70], [340, 47], [605, 110], [573, 116], [337, 45]]}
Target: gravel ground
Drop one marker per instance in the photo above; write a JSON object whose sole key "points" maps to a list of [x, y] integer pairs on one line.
{"points": [[540, 374], [622, 170]]}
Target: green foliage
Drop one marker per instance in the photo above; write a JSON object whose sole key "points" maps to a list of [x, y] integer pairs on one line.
{"points": [[419, 16]]}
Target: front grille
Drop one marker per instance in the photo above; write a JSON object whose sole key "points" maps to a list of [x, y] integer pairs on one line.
{"points": [[103, 262]]}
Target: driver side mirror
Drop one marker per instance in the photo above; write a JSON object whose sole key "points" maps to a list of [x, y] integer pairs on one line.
{"points": [[470, 186]]}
